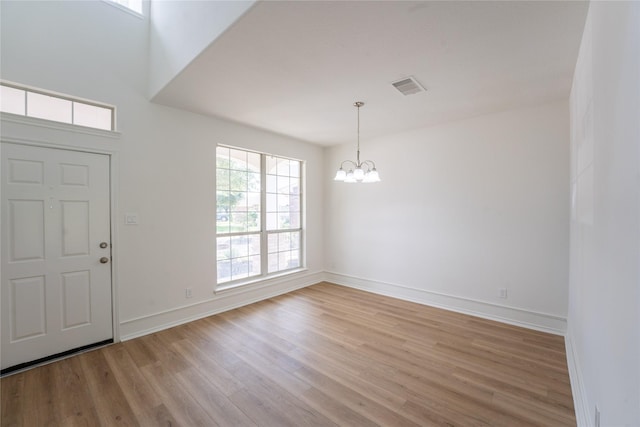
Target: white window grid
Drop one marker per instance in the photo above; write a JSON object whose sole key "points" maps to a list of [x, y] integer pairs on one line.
{"points": [[280, 242], [55, 107]]}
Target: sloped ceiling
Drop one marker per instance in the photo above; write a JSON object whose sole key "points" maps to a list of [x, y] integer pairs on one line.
{"points": [[295, 68]]}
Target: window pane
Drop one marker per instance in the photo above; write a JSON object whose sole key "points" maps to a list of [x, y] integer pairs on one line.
{"points": [[135, 5], [239, 222], [222, 157], [272, 184], [12, 100], [283, 202], [272, 202], [294, 261], [294, 186], [253, 202], [294, 220], [238, 159], [240, 201], [253, 181], [237, 180], [223, 248], [272, 165], [223, 227], [254, 244], [272, 245], [92, 116], [223, 199], [272, 221], [253, 161], [48, 107], [272, 264], [283, 184], [283, 260], [283, 167], [284, 242], [295, 240], [222, 179], [239, 246], [294, 168], [239, 268], [255, 265], [284, 221], [253, 221], [224, 271]]}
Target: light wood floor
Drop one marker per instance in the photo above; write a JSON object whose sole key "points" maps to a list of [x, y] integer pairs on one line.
{"points": [[323, 355]]}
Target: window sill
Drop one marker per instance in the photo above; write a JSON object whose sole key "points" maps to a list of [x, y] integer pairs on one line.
{"points": [[263, 281]]}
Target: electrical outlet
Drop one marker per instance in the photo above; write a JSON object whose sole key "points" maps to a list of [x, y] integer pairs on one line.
{"points": [[502, 293], [188, 293], [597, 420]]}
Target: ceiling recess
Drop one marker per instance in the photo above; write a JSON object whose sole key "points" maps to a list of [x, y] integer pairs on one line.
{"points": [[408, 86]]}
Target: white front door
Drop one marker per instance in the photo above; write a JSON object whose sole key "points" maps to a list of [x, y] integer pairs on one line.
{"points": [[56, 252]]}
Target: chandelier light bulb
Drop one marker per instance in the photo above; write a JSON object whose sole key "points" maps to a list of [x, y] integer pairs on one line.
{"points": [[340, 175], [358, 174], [373, 176], [350, 177]]}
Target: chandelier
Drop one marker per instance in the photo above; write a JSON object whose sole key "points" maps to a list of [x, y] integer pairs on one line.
{"points": [[364, 171]]}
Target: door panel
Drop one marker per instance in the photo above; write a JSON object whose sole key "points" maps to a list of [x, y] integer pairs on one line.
{"points": [[28, 313], [56, 295], [76, 299], [26, 230]]}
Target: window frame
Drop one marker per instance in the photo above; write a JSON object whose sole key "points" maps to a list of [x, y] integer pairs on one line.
{"points": [[263, 232], [125, 8], [72, 99]]}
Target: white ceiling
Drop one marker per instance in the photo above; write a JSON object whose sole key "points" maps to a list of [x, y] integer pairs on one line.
{"points": [[296, 68]]}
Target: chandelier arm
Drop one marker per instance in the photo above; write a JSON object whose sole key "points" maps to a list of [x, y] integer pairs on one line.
{"points": [[348, 161], [369, 163]]}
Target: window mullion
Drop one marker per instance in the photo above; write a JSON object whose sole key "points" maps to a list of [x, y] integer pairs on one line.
{"points": [[264, 255]]}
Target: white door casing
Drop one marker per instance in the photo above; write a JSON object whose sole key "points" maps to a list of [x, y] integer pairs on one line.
{"points": [[55, 291]]}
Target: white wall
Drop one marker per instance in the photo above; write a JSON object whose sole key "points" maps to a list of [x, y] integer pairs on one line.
{"points": [[603, 340], [166, 158], [180, 30], [463, 209]]}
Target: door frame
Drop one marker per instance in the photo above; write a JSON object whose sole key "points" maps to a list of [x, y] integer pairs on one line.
{"points": [[46, 134]]}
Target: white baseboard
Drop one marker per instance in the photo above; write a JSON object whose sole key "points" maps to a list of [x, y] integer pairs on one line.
{"points": [[223, 301], [514, 316], [580, 402]]}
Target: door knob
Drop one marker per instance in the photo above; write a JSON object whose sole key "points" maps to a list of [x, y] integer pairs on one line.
{"points": [[104, 245], [104, 260]]}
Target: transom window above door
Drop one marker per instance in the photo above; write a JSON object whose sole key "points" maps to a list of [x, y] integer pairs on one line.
{"points": [[40, 104], [258, 215]]}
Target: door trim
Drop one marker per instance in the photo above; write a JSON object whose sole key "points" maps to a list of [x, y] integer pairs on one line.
{"points": [[87, 143]]}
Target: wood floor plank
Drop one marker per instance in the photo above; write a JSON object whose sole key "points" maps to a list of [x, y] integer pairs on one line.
{"points": [[157, 416], [12, 393], [356, 401], [40, 403], [175, 397], [78, 407], [109, 400], [138, 392], [214, 402], [322, 355]]}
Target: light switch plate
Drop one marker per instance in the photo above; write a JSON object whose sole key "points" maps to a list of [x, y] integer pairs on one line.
{"points": [[131, 219]]}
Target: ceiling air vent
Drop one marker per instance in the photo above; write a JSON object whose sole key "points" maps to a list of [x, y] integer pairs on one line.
{"points": [[408, 86]]}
